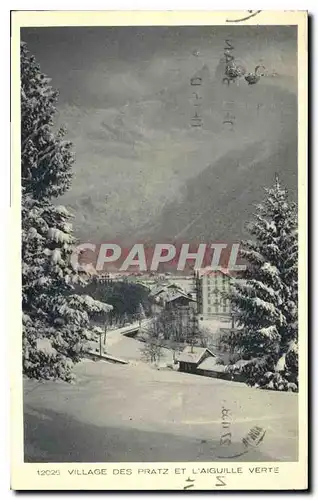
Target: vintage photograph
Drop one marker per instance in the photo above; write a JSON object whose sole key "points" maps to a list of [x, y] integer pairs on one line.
{"points": [[159, 246]]}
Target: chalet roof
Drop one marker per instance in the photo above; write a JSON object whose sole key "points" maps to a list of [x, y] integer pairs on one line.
{"points": [[179, 294], [212, 364], [162, 288], [193, 354]]}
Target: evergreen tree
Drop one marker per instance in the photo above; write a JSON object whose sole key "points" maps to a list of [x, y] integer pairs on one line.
{"points": [[56, 321], [265, 297]]}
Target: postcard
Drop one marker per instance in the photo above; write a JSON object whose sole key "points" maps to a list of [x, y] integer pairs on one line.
{"points": [[159, 264]]}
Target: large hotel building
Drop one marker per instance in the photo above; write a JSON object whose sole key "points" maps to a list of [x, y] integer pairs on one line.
{"points": [[212, 288]]}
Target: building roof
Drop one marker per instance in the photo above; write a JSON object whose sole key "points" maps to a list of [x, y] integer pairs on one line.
{"points": [[209, 271], [179, 294], [212, 364], [193, 354], [163, 288]]}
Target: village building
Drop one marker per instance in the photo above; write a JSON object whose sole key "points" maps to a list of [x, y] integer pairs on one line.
{"points": [[191, 356], [203, 361], [212, 289], [211, 367], [171, 296], [162, 289], [180, 299]]}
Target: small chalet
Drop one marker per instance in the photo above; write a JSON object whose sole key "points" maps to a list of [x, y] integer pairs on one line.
{"points": [[180, 299], [211, 367], [171, 296], [191, 357]]}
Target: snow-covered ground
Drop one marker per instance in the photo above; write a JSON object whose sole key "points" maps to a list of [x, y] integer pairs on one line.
{"points": [[120, 346], [138, 413], [214, 324]]}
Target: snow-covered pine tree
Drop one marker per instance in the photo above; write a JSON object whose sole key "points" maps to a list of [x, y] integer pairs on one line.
{"points": [[265, 297], [56, 321]]}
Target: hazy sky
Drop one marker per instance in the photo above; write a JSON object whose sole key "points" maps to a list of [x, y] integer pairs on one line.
{"points": [[125, 97]]}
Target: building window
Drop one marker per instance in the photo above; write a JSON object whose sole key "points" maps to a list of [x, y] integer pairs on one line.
{"points": [[216, 305]]}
